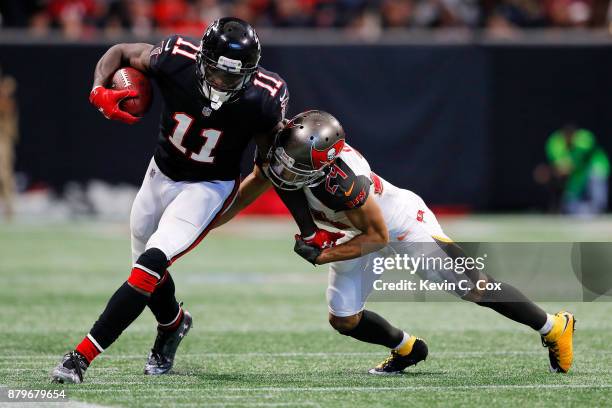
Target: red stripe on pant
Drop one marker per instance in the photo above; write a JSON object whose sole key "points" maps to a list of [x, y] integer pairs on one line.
{"points": [[226, 204]]}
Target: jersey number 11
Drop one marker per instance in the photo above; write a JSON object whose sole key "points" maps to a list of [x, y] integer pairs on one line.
{"points": [[212, 136]]}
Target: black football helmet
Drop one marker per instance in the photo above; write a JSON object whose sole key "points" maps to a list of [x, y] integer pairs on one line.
{"points": [[304, 150], [228, 57]]}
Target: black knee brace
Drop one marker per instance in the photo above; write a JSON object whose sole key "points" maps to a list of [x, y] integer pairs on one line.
{"points": [[154, 260]]}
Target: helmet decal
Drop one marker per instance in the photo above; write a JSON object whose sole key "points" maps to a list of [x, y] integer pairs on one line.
{"points": [[321, 158], [331, 154]]}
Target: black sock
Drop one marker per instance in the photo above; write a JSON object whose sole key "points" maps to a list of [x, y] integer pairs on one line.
{"points": [[122, 309], [373, 328], [511, 303], [508, 301], [162, 302]]}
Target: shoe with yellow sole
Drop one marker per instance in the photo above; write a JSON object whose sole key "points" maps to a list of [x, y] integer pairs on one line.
{"points": [[560, 342], [413, 352]]}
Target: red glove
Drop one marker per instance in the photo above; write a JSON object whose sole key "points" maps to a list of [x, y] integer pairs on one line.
{"points": [[107, 102], [321, 238]]}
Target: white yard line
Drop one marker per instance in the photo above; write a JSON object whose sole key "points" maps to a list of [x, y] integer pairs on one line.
{"points": [[249, 404], [80, 404], [399, 388]]}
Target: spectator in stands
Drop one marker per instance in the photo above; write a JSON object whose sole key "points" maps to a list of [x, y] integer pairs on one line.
{"points": [[397, 13], [580, 167], [512, 14], [569, 13], [245, 10], [138, 16], [169, 13], [8, 138], [74, 17], [179, 16], [325, 15], [447, 13], [17, 13], [210, 10], [291, 13], [40, 23], [430, 13], [361, 21], [83, 17]]}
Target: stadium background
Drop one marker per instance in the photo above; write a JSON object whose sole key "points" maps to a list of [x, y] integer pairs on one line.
{"points": [[453, 99], [457, 93]]}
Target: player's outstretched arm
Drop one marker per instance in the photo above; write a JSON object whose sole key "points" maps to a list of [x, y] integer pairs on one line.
{"points": [[254, 185], [374, 235], [120, 55]]}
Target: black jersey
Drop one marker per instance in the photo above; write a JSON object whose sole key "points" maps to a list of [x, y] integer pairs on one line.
{"points": [[197, 143]]}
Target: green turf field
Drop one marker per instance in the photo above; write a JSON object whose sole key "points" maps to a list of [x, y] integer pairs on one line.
{"points": [[260, 336]]}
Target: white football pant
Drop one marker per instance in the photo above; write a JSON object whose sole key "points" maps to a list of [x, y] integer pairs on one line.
{"points": [[174, 216]]}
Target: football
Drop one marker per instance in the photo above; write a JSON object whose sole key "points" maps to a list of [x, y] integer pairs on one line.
{"points": [[131, 78]]}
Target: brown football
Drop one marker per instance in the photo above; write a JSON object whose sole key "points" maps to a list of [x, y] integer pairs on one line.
{"points": [[130, 78]]}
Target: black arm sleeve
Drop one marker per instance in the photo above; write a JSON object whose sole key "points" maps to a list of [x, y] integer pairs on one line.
{"points": [[296, 203]]}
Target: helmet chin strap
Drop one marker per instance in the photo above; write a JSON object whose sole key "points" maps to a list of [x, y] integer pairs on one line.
{"points": [[216, 98]]}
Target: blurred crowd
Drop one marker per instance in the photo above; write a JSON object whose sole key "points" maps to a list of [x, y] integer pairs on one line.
{"points": [[83, 18]]}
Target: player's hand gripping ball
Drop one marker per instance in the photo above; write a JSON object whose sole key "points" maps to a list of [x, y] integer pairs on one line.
{"points": [[133, 80], [127, 100]]}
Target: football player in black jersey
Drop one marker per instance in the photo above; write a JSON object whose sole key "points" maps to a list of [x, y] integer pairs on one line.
{"points": [[216, 99], [341, 191]]}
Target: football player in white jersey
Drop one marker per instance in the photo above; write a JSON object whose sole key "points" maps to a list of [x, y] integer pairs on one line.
{"points": [[311, 154]]}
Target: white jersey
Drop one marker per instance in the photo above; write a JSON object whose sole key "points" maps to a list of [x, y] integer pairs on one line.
{"points": [[350, 182]]}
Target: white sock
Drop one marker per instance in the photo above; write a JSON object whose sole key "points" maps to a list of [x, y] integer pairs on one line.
{"points": [[548, 325], [404, 340]]}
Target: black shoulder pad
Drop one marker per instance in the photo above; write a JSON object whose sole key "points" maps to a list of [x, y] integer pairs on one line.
{"points": [[172, 53], [342, 189], [273, 97], [360, 192]]}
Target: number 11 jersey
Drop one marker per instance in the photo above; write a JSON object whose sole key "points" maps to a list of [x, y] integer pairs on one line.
{"points": [[197, 143]]}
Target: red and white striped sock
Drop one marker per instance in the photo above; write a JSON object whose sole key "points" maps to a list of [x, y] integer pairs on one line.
{"points": [[89, 348]]}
